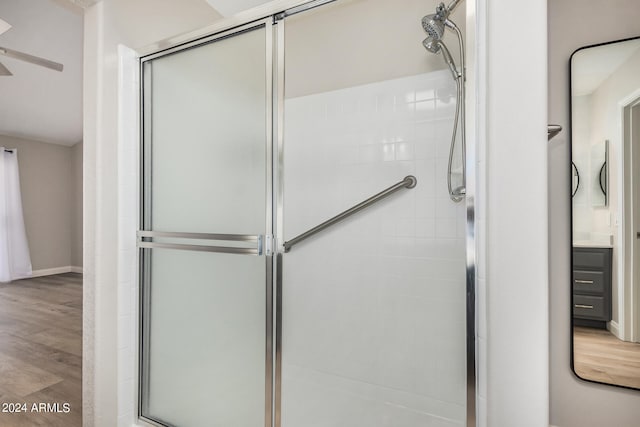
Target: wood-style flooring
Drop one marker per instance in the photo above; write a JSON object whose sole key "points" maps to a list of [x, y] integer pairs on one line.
{"points": [[41, 351], [600, 356]]}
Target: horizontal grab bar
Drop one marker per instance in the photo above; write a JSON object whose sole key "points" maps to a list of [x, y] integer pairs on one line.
{"points": [[409, 181]]}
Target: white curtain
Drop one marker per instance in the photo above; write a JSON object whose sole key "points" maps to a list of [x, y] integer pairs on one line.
{"points": [[15, 261]]}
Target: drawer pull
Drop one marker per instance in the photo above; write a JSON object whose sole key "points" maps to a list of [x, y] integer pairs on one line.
{"points": [[590, 307], [585, 282]]}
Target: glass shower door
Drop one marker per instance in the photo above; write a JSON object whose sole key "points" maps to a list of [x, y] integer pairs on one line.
{"points": [[373, 309], [206, 217], [369, 317]]}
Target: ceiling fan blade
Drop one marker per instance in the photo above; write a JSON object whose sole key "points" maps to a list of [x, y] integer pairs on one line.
{"points": [[30, 58], [4, 71], [4, 26]]}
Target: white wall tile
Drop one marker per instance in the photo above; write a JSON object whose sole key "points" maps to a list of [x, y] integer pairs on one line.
{"points": [[374, 332]]}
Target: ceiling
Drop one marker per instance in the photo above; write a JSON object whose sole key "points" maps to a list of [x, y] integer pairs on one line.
{"points": [[590, 67], [231, 7], [38, 103]]}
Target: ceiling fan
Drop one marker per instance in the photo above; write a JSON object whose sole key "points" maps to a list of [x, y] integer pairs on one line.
{"points": [[4, 71]]}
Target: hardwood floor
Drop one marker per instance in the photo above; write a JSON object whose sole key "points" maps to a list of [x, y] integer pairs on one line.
{"points": [[600, 356], [41, 351]]}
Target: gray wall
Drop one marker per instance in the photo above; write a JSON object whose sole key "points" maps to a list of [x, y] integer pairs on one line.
{"points": [[573, 24], [48, 199]]}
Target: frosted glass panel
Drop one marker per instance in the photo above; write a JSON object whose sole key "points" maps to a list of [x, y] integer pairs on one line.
{"points": [[205, 171], [208, 129], [207, 339]]}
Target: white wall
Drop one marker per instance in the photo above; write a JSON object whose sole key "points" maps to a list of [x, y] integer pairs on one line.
{"points": [[574, 24], [513, 205]]}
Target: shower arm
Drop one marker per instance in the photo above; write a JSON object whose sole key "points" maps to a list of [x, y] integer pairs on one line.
{"points": [[408, 182], [443, 12], [453, 5]]}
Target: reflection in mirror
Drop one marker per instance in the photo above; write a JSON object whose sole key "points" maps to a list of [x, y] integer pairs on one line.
{"points": [[598, 177], [605, 118], [575, 179]]}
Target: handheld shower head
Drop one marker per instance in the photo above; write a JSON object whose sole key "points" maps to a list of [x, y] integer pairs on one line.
{"points": [[438, 46], [431, 44], [434, 26], [449, 60]]}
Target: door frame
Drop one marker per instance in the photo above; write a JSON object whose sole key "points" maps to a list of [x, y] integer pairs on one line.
{"points": [[629, 295]]}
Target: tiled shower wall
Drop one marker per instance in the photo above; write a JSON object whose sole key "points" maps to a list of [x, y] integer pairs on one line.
{"points": [[373, 308]]}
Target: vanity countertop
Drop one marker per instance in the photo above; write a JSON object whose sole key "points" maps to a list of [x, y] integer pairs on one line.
{"points": [[590, 244]]}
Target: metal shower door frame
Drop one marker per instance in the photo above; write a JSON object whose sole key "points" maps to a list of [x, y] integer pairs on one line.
{"points": [[145, 235]]}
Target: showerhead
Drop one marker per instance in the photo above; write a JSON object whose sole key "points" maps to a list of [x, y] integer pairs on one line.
{"points": [[433, 26]]}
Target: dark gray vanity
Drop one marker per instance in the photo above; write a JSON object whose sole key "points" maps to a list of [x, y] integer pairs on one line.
{"points": [[592, 286]]}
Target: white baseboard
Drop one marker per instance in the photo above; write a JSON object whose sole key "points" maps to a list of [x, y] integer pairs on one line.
{"points": [[56, 270], [614, 328]]}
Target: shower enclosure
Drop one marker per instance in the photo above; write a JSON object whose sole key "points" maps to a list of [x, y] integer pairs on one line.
{"points": [[254, 135]]}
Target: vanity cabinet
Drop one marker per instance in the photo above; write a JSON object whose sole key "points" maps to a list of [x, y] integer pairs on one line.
{"points": [[592, 286]]}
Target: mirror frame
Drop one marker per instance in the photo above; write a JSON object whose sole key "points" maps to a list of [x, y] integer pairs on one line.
{"points": [[570, 198]]}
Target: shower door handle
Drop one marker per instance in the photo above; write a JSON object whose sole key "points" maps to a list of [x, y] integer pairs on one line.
{"points": [[245, 244]]}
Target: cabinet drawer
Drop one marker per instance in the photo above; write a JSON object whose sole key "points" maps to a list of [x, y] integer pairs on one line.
{"points": [[589, 307], [589, 259], [589, 282]]}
